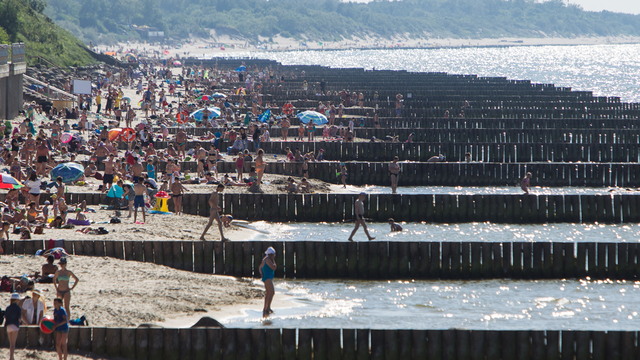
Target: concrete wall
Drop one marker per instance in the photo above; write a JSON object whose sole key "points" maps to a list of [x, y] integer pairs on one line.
{"points": [[11, 82], [14, 86]]}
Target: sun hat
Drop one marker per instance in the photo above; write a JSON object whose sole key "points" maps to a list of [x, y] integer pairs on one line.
{"points": [[270, 251], [36, 292], [15, 296]]}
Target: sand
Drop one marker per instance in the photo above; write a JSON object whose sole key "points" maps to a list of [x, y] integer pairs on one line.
{"points": [[234, 46], [118, 293], [24, 354]]}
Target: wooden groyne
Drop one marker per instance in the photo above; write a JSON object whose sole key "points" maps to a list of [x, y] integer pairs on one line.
{"points": [[446, 208], [375, 260], [330, 344]]}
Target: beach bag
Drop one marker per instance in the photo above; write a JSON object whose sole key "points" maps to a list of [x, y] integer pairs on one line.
{"points": [[5, 284], [115, 220]]}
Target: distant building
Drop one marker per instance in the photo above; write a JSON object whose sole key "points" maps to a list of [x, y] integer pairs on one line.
{"points": [[151, 34]]}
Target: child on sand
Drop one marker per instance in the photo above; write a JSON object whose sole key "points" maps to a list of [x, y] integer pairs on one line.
{"points": [[138, 201], [525, 183], [61, 328]]}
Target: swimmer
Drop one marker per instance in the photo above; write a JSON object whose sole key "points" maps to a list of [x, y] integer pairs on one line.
{"points": [[525, 183], [395, 227]]}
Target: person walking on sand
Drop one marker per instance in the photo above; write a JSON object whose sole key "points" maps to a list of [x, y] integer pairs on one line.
{"points": [[61, 328], [12, 316], [267, 270], [61, 283], [214, 213], [394, 171], [359, 208], [525, 183]]}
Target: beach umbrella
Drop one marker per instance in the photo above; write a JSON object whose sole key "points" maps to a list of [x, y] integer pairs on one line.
{"points": [[66, 137], [114, 133], [69, 171], [241, 68], [204, 97], [265, 116], [218, 96], [215, 112], [309, 115], [177, 63], [9, 182]]}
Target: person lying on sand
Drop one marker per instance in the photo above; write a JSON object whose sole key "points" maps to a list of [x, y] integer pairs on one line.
{"points": [[227, 181]]}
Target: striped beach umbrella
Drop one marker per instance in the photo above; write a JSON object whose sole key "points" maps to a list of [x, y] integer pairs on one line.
{"points": [[9, 182]]}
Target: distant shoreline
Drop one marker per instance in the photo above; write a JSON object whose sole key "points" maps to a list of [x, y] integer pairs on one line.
{"points": [[207, 48]]}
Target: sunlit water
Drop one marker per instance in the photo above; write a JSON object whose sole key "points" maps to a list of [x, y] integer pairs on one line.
{"points": [[490, 190], [490, 304], [607, 70], [562, 232]]}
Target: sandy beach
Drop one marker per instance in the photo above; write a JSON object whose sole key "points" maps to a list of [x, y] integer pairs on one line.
{"points": [[118, 293], [235, 46]]}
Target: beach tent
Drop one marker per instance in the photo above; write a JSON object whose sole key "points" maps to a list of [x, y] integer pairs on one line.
{"points": [[215, 112], [241, 68], [317, 118]]}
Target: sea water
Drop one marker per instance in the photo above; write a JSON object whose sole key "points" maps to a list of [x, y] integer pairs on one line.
{"points": [[607, 70], [486, 304], [561, 232]]}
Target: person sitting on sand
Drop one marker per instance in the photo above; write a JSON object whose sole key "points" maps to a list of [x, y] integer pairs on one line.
{"points": [[48, 270], [80, 216], [32, 213], [292, 187], [57, 222], [227, 181], [439, 158], [394, 225], [305, 186]]}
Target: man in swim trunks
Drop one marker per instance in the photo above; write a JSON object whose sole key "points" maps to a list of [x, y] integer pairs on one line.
{"points": [[215, 213], [359, 220], [138, 201], [394, 171], [42, 157], [176, 195], [201, 156], [181, 141], [136, 170], [107, 179]]}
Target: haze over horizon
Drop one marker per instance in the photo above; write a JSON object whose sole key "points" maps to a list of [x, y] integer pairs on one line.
{"points": [[620, 6]]}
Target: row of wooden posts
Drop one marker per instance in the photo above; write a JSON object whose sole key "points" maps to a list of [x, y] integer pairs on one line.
{"points": [[485, 152], [340, 344], [596, 175], [374, 260], [447, 208], [566, 136]]}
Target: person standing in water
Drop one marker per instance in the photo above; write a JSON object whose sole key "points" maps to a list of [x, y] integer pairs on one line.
{"points": [[525, 183], [395, 227], [359, 208], [214, 213], [267, 270], [394, 171]]}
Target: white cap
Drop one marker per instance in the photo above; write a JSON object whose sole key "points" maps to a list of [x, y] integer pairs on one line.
{"points": [[270, 251], [16, 296]]}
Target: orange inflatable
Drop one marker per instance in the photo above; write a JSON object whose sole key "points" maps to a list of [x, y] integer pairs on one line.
{"points": [[128, 134], [181, 118], [287, 108]]}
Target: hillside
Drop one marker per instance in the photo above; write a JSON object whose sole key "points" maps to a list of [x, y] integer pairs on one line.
{"points": [[108, 20], [24, 21]]}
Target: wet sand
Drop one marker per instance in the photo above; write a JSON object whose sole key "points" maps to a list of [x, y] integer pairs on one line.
{"points": [[118, 293]]}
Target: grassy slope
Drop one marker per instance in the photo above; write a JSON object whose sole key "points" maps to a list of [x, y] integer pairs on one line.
{"points": [[42, 37]]}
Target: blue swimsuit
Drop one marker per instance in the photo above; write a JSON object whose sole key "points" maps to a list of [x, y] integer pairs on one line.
{"points": [[267, 272]]}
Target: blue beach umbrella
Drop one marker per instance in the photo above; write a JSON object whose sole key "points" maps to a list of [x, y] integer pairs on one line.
{"points": [[309, 115], [69, 172], [241, 68], [215, 112], [218, 95], [265, 116]]}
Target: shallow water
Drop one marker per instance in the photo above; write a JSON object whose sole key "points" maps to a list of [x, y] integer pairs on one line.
{"points": [[490, 304], [490, 190], [563, 232], [607, 70]]}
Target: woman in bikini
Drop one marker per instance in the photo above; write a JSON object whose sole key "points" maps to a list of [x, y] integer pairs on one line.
{"points": [[267, 269], [61, 283], [260, 166]]}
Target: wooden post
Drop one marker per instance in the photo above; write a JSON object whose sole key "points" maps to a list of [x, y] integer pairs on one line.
{"points": [[98, 342], [127, 343], [156, 343], [187, 255], [198, 343], [434, 344], [214, 344], [243, 347], [304, 344], [113, 341], [84, 339], [319, 344], [348, 344], [258, 344], [171, 347]]}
